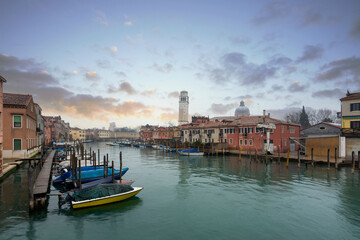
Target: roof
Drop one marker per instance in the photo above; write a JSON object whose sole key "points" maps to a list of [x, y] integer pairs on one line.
{"points": [[2, 79], [350, 96], [327, 123], [16, 99]]}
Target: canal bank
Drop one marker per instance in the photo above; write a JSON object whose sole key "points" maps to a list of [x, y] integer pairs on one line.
{"points": [[214, 197]]}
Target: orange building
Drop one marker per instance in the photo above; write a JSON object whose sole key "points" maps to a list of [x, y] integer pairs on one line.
{"points": [[20, 138]]}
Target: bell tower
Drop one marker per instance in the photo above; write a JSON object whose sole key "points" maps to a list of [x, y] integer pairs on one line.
{"points": [[183, 107]]}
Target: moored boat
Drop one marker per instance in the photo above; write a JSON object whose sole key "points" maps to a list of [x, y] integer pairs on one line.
{"points": [[191, 152]]}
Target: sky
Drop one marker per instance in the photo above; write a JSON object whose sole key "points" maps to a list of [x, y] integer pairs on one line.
{"points": [[96, 62]]}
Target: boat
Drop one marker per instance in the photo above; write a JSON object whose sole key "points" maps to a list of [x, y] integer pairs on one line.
{"points": [[191, 152], [89, 174], [103, 194], [66, 163], [112, 144]]}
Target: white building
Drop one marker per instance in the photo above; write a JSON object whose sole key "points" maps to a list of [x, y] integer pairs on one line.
{"points": [[112, 127], [183, 107]]}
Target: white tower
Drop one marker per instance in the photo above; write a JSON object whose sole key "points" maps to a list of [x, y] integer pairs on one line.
{"points": [[183, 107]]}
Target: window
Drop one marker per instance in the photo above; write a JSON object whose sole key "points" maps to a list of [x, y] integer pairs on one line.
{"points": [[230, 140], [250, 142], [250, 130], [355, 124], [17, 121], [240, 130], [292, 130], [282, 129], [355, 107], [285, 143], [17, 144], [240, 142], [257, 130], [225, 140], [245, 142]]}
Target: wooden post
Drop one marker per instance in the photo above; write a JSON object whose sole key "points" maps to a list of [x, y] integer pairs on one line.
{"points": [[279, 154], [113, 171], [120, 166], [240, 154], [80, 174], [31, 186], [104, 166], [359, 160], [312, 156], [85, 159], [94, 159], [250, 154], [266, 158], [287, 159], [298, 153], [188, 151], [216, 149], [336, 163], [256, 155], [352, 162], [328, 158], [99, 156]]}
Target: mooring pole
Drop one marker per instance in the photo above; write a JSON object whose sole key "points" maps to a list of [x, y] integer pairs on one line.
{"points": [[312, 156], [328, 158], [240, 154], [287, 159], [336, 163], [113, 171], [104, 166], [352, 162], [279, 154], [298, 153], [120, 166], [80, 174]]}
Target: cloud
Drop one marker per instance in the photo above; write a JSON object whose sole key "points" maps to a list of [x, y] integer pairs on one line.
{"points": [[128, 23], [124, 87], [272, 11], [75, 72], [310, 53], [279, 60], [331, 93], [276, 87], [239, 40], [113, 49], [149, 92], [348, 67], [104, 64], [296, 87], [355, 29], [22, 73], [169, 116], [92, 75], [121, 74], [221, 109], [101, 17], [311, 17], [174, 94], [235, 66], [164, 69]]}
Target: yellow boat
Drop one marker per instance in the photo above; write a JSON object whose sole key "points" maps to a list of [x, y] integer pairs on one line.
{"points": [[106, 200]]}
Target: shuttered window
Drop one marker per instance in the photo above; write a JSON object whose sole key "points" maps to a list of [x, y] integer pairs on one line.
{"points": [[355, 124], [17, 121], [17, 144]]}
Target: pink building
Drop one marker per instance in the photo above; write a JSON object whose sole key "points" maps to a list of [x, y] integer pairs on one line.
{"points": [[2, 80], [20, 136]]}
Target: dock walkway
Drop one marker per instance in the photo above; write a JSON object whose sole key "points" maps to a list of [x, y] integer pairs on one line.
{"points": [[41, 185]]}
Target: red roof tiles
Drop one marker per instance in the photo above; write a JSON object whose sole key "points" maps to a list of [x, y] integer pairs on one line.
{"points": [[16, 99]]}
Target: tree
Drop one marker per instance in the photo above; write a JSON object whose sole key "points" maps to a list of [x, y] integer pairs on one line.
{"points": [[294, 117], [304, 119], [322, 115]]}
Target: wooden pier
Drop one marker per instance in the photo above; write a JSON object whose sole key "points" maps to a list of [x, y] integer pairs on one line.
{"points": [[41, 186]]}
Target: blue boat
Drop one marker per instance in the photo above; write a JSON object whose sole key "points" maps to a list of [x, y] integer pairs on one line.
{"points": [[89, 174]]}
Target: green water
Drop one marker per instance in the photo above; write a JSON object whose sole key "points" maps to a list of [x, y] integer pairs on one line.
{"points": [[197, 198]]}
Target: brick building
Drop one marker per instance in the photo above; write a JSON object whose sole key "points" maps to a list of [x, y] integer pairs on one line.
{"points": [[2, 81]]}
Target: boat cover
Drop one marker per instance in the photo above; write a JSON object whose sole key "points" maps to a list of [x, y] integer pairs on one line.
{"points": [[101, 190]]}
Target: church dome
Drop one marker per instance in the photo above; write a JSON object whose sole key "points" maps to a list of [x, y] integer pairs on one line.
{"points": [[242, 110]]}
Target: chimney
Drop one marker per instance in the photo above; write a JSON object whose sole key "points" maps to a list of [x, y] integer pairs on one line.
{"points": [[288, 118], [264, 112]]}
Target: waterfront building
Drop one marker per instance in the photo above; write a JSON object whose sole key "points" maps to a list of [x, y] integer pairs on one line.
{"points": [[20, 138], [350, 122], [40, 124], [321, 137], [183, 108], [103, 134], [146, 133], [56, 129], [126, 135], [2, 81], [199, 119], [77, 134]]}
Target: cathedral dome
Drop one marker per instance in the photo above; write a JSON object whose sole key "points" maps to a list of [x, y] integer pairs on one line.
{"points": [[242, 110]]}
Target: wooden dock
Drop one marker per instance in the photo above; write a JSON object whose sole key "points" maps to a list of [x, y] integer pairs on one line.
{"points": [[41, 186]]}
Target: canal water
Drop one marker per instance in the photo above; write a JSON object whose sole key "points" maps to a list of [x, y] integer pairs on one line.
{"points": [[197, 198]]}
